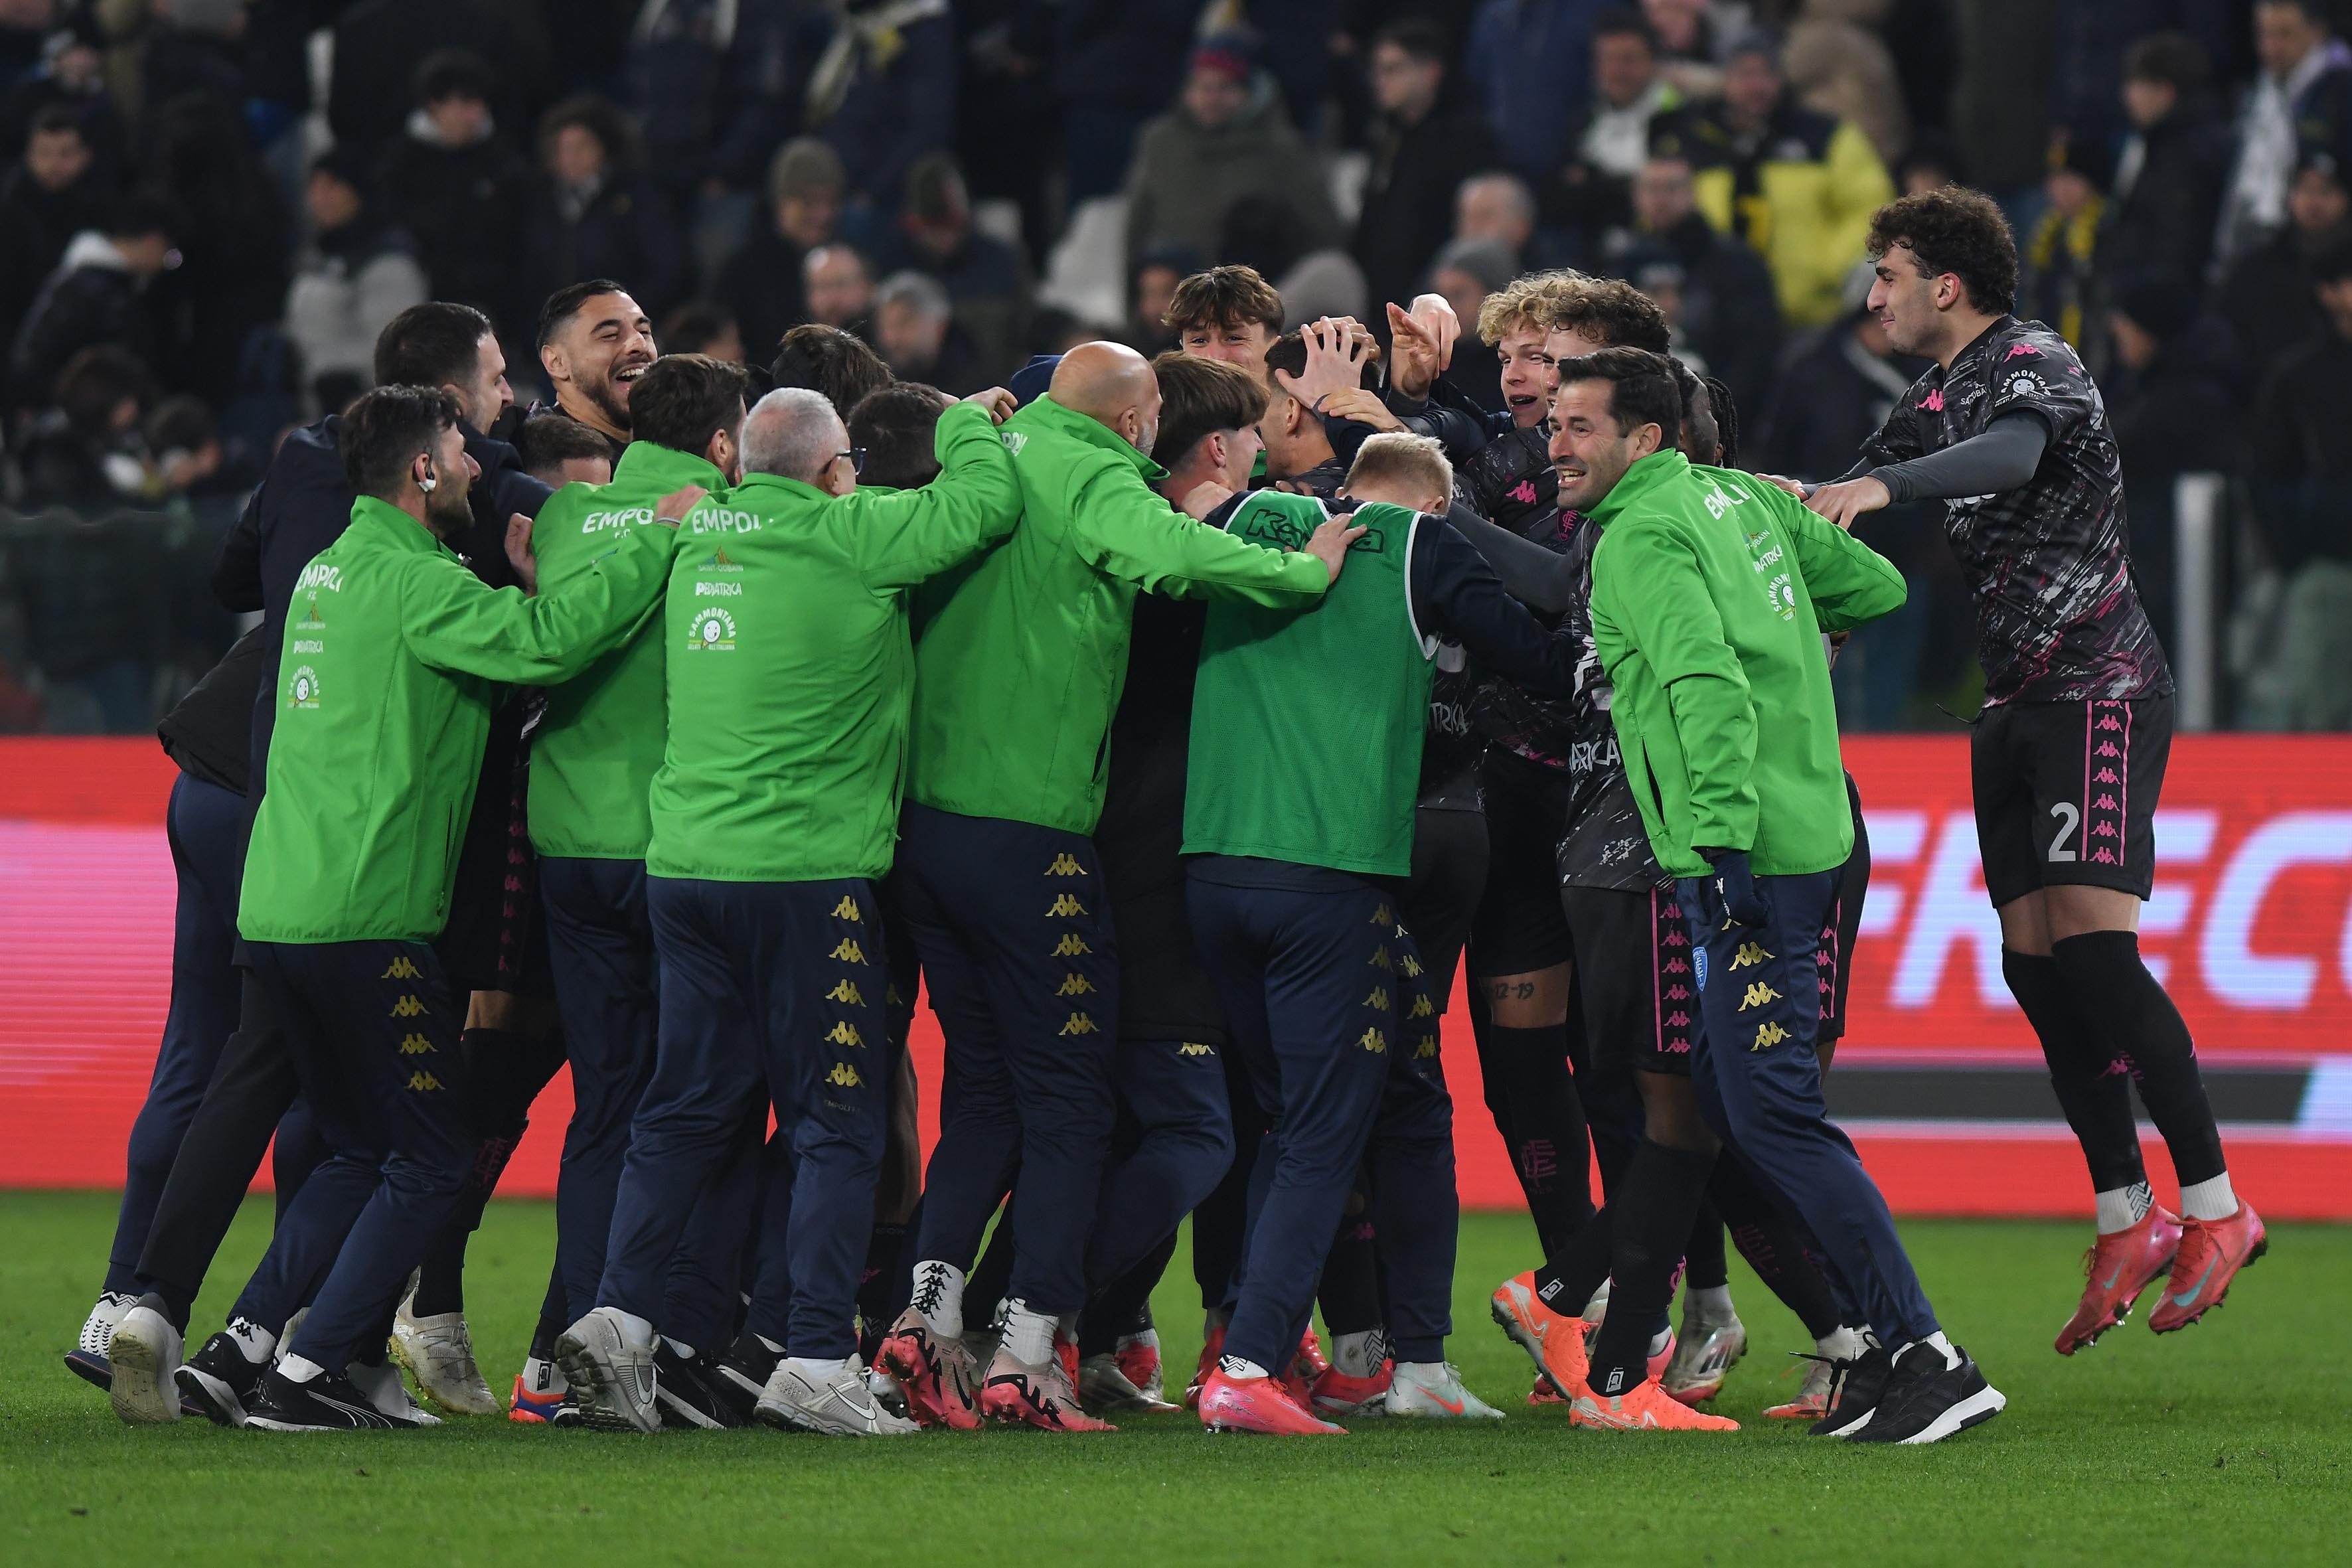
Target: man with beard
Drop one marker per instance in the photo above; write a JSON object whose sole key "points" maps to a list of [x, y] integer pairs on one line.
{"points": [[595, 342]]}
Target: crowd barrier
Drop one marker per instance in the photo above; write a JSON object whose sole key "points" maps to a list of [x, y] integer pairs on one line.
{"points": [[1939, 1080]]}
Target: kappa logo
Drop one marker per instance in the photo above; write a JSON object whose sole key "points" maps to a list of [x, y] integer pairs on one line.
{"points": [[1934, 402], [847, 910], [1075, 986], [1758, 994], [423, 1082], [712, 631], [1383, 916], [844, 1076], [1425, 1048], [1750, 953], [1373, 1041], [416, 1045], [847, 1035], [890, 996], [847, 952], [1420, 1007], [1071, 945], [1410, 968], [1768, 1034], [402, 968], [302, 690], [843, 991], [1079, 1024], [1066, 864], [1065, 905], [1380, 959], [1379, 1000], [1192, 1048], [407, 1007]]}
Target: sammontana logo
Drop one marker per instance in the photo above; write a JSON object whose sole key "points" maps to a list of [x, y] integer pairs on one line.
{"points": [[302, 688], [712, 629]]}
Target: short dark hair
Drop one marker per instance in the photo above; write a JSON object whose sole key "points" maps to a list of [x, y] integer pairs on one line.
{"points": [[436, 343], [839, 364], [2174, 59], [1956, 230], [1641, 388], [565, 302], [1224, 296], [386, 429], [896, 426], [682, 400], [695, 325], [453, 73], [1423, 37], [615, 128], [94, 383], [1624, 22], [145, 212], [52, 118], [1288, 353], [1199, 397], [1611, 310], [545, 442], [182, 423]]}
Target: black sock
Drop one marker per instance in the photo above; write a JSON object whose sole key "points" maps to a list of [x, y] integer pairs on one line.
{"points": [[2143, 1030], [1569, 1277], [2098, 1103], [1771, 1246], [1124, 1306], [1661, 1193], [441, 1280], [1541, 1119], [1350, 1291], [1704, 1266]]}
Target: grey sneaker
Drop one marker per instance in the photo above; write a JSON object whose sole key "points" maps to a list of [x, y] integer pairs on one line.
{"points": [[610, 1375], [438, 1351], [1103, 1384], [1703, 1357], [841, 1405]]}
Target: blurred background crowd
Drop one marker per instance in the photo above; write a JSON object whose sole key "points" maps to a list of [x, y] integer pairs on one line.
{"points": [[210, 207]]}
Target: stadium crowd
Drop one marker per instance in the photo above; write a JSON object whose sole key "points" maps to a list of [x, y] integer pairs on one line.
{"points": [[215, 204]]}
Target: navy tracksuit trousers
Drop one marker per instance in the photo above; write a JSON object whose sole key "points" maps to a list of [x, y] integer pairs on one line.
{"points": [[1014, 930], [1340, 1044], [1759, 1084], [372, 1028], [774, 986]]}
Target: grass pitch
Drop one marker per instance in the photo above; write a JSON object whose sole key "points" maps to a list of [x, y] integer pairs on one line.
{"points": [[2229, 1443]]}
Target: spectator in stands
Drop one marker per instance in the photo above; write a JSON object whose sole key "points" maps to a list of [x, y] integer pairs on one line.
{"points": [[595, 214], [703, 327], [830, 360], [1931, 162], [46, 197], [1690, 52], [97, 294], [2057, 259], [557, 451], [1427, 140], [2302, 477], [916, 329], [460, 189], [1152, 280], [1727, 312], [1839, 67], [193, 48], [1465, 272], [71, 77], [183, 450], [382, 45], [839, 289], [1797, 186], [2303, 95], [2267, 298], [1498, 208], [1226, 140], [2176, 167], [703, 79], [1116, 63], [84, 451], [358, 272], [761, 281], [1532, 63], [986, 280], [885, 93], [1592, 193], [896, 426], [239, 240], [2174, 395]]}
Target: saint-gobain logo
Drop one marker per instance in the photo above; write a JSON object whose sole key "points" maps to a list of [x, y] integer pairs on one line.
{"points": [[1698, 966], [302, 691], [711, 628]]}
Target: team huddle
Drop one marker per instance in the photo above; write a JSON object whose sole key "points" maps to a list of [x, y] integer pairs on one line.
{"points": [[1181, 727]]}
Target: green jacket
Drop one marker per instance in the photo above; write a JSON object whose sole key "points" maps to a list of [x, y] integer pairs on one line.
{"points": [[1018, 673], [789, 668], [383, 694], [595, 752], [1710, 591]]}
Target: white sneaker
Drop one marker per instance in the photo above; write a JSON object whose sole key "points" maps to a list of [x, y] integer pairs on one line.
{"points": [[1103, 1384], [438, 1351], [86, 1360], [385, 1390], [144, 1352], [1703, 1357], [841, 1405], [1433, 1390], [611, 1373]]}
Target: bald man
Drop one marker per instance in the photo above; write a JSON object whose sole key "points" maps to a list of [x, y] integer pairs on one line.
{"points": [[1016, 678]]}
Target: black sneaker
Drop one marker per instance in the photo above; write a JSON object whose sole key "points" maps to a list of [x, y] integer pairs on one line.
{"points": [[1855, 1388], [219, 1382], [1930, 1396], [743, 1374], [689, 1392], [325, 1404]]}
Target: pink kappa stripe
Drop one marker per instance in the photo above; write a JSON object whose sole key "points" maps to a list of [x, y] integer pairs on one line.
{"points": [[2123, 794]]}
